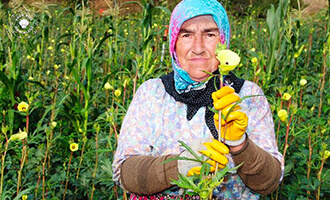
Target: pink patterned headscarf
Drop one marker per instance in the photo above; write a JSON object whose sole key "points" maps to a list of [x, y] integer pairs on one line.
{"points": [[185, 10]]}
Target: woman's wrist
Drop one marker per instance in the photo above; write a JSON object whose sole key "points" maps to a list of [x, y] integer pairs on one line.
{"points": [[235, 149]]}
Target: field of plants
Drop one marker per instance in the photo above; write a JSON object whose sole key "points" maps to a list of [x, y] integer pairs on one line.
{"points": [[69, 74]]}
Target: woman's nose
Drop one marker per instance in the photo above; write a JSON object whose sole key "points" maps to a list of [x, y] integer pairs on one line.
{"points": [[198, 44]]}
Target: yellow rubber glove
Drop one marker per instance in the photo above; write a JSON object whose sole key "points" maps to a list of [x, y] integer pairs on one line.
{"points": [[233, 134], [209, 147], [216, 151]]}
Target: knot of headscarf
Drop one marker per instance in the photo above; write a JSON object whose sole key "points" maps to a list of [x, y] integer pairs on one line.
{"points": [[195, 99], [185, 10]]}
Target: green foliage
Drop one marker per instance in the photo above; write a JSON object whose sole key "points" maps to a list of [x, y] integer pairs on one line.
{"points": [[204, 183], [61, 67]]}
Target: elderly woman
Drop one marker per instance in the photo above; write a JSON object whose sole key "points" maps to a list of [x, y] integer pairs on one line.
{"points": [[175, 107]]}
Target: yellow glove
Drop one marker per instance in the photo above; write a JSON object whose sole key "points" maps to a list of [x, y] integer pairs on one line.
{"points": [[215, 150], [209, 147], [233, 133]]}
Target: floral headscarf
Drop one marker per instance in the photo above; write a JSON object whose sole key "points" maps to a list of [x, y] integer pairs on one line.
{"points": [[185, 10]]}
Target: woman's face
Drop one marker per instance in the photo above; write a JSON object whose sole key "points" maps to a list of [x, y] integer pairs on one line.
{"points": [[195, 46]]}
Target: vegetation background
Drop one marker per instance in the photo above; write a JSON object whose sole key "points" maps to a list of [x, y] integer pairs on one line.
{"points": [[77, 65]]}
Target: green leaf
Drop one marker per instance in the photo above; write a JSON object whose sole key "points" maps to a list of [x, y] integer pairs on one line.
{"points": [[190, 151], [179, 158], [213, 110], [187, 183]]}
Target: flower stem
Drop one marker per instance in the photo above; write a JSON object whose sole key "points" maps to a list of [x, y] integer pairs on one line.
{"points": [[219, 131], [67, 176], [3, 164], [96, 161], [309, 163], [24, 156], [319, 178], [286, 145]]}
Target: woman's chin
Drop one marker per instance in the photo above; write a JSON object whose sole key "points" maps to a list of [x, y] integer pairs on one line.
{"points": [[199, 77]]}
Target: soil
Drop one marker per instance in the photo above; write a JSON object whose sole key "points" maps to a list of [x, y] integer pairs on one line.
{"points": [[313, 6], [310, 6]]}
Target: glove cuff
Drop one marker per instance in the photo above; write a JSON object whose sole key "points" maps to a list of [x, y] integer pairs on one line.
{"points": [[235, 142]]}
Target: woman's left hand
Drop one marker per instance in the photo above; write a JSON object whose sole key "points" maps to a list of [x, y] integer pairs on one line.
{"points": [[234, 126]]}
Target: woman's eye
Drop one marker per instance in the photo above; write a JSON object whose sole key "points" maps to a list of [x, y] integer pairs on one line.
{"points": [[210, 35], [185, 35]]}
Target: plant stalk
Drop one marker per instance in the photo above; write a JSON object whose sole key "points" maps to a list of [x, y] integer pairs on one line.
{"points": [[67, 176]]}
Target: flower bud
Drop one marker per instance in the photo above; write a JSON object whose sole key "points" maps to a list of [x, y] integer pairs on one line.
{"points": [[107, 86], [283, 115], [303, 82], [254, 60]]}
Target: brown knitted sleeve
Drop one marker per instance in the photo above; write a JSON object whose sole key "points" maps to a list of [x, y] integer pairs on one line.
{"points": [[146, 175], [261, 172]]}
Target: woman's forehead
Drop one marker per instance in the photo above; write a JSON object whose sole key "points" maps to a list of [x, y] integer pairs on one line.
{"points": [[202, 20]]}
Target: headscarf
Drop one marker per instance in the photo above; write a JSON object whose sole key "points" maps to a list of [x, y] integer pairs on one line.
{"points": [[185, 10]]}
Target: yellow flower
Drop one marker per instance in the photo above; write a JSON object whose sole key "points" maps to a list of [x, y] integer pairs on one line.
{"points": [[126, 83], [254, 60], [258, 72], [117, 93], [18, 136], [28, 57], [303, 82], [30, 78], [24, 197], [286, 96], [326, 154], [50, 48], [283, 115], [107, 86], [56, 66], [253, 49], [23, 107], [53, 124], [313, 108], [62, 50], [74, 146], [228, 61]]}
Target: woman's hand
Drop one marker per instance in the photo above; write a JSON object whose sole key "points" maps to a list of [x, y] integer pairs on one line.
{"points": [[233, 128], [210, 148]]}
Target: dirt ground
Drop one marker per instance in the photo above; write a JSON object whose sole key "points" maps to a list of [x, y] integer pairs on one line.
{"points": [[314, 6], [310, 6]]}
